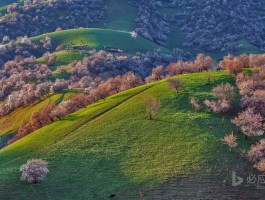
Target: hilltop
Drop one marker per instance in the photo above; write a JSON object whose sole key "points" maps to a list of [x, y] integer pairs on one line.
{"points": [[94, 39], [100, 38], [111, 147]]}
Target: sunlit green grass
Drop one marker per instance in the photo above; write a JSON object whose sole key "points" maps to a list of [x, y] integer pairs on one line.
{"points": [[98, 38], [65, 57], [112, 147]]}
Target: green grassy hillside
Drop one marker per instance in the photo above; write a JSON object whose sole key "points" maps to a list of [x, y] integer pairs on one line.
{"points": [[65, 57], [98, 38], [111, 147]]}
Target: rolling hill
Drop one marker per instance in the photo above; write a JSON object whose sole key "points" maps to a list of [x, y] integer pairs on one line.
{"points": [[98, 38], [111, 147]]}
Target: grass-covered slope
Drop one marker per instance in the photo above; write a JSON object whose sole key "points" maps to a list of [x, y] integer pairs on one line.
{"points": [[65, 57], [10, 123], [98, 38], [111, 147]]}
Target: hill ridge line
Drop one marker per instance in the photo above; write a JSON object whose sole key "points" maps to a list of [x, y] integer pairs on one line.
{"points": [[80, 29]]}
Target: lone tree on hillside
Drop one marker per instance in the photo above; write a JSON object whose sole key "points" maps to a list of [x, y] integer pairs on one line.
{"points": [[34, 171], [152, 106], [175, 84]]}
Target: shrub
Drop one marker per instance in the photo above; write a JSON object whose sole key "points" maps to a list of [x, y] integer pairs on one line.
{"points": [[249, 123], [224, 95], [34, 171], [224, 92], [195, 104], [220, 106], [260, 165], [230, 140]]}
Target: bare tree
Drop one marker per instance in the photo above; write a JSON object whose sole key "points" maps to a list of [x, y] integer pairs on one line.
{"points": [[152, 106], [175, 83]]}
